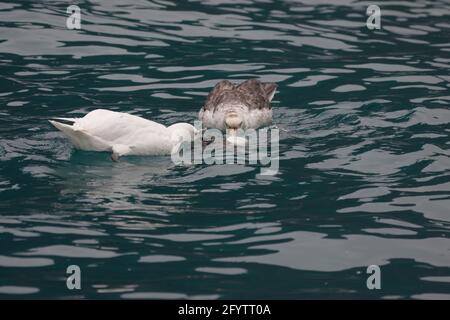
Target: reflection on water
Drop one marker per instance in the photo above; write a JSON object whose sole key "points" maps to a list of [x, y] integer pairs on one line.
{"points": [[364, 157]]}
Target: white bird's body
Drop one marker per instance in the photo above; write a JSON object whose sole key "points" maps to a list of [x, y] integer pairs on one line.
{"points": [[123, 134]]}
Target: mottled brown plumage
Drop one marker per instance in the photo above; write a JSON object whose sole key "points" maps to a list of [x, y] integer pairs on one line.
{"points": [[252, 93], [234, 106]]}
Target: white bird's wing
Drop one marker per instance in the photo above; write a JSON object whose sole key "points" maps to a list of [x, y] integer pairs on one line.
{"points": [[111, 125]]}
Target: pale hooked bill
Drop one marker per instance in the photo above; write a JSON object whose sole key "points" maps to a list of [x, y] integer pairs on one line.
{"points": [[124, 134]]}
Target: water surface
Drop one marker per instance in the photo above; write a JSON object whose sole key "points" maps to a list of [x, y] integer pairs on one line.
{"points": [[364, 153]]}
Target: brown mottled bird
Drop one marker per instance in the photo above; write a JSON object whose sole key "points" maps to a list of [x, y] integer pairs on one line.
{"points": [[234, 106]]}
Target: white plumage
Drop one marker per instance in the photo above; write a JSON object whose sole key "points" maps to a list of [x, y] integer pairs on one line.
{"points": [[124, 134]]}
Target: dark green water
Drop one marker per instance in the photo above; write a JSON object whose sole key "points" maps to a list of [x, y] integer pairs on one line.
{"points": [[364, 156]]}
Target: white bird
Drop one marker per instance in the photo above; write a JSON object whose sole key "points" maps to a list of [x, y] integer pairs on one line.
{"points": [[124, 134]]}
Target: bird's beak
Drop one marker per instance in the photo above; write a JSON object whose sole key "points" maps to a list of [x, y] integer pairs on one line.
{"points": [[233, 120]]}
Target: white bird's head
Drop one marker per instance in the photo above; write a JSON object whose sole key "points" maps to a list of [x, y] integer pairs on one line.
{"points": [[182, 131]]}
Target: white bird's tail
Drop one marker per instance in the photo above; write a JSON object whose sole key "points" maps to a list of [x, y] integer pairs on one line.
{"points": [[80, 138], [68, 130], [72, 120]]}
